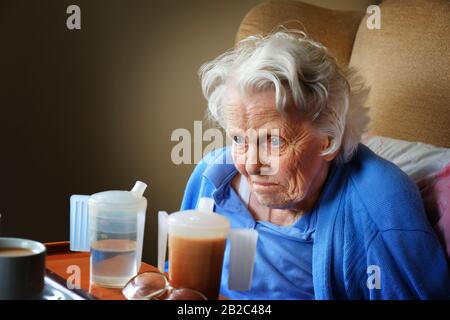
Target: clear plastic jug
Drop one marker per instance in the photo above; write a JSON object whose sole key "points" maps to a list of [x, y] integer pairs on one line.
{"points": [[114, 225]]}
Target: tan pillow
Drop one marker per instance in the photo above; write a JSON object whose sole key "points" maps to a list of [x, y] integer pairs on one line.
{"points": [[334, 29], [407, 65]]}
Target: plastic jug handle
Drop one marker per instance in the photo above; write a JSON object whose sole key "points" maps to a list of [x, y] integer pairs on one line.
{"points": [[163, 219], [79, 223], [242, 258]]}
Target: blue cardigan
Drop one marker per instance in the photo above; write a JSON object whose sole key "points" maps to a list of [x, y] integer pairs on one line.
{"points": [[372, 239]]}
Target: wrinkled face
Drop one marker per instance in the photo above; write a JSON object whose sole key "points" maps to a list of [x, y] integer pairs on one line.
{"points": [[279, 154]]}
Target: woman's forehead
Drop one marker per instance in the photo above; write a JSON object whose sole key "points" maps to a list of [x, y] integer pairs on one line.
{"points": [[256, 107], [256, 110]]}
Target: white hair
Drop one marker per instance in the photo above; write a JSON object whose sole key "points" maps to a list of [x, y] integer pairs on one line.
{"points": [[290, 62]]}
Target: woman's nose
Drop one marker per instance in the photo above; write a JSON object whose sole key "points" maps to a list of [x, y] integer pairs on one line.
{"points": [[252, 161]]}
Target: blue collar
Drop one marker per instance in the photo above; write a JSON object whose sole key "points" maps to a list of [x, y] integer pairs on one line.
{"points": [[220, 171]]}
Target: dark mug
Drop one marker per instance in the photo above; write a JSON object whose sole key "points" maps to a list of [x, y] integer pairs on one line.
{"points": [[22, 269]]}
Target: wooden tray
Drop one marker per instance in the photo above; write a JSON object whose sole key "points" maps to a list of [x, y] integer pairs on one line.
{"points": [[62, 264]]}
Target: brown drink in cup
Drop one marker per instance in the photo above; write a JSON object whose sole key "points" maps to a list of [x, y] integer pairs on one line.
{"points": [[196, 248]]}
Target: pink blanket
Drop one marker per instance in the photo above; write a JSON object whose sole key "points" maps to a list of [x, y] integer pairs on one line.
{"points": [[435, 191]]}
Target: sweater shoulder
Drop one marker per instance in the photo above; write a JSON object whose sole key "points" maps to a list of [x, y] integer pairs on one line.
{"points": [[384, 193], [208, 161], [370, 172]]}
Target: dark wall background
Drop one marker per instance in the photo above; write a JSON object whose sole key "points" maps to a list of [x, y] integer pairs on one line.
{"points": [[93, 109]]}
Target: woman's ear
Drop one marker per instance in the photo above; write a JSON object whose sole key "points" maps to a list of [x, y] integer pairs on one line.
{"points": [[327, 142]]}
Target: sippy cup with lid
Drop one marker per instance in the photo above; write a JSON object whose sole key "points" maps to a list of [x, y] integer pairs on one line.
{"points": [[197, 241], [110, 225]]}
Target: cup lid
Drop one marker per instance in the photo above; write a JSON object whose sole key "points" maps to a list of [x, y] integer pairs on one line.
{"points": [[116, 197], [122, 198], [198, 224], [198, 219]]}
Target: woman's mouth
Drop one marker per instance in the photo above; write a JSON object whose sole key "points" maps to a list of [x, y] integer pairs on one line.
{"points": [[263, 184]]}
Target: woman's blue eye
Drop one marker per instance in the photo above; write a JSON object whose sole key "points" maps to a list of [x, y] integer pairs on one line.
{"points": [[275, 141], [238, 139]]}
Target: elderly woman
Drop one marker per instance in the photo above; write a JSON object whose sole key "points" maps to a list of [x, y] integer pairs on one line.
{"points": [[335, 221]]}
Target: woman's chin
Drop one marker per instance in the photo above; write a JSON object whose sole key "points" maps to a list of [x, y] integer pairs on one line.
{"points": [[270, 201], [274, 201]]}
